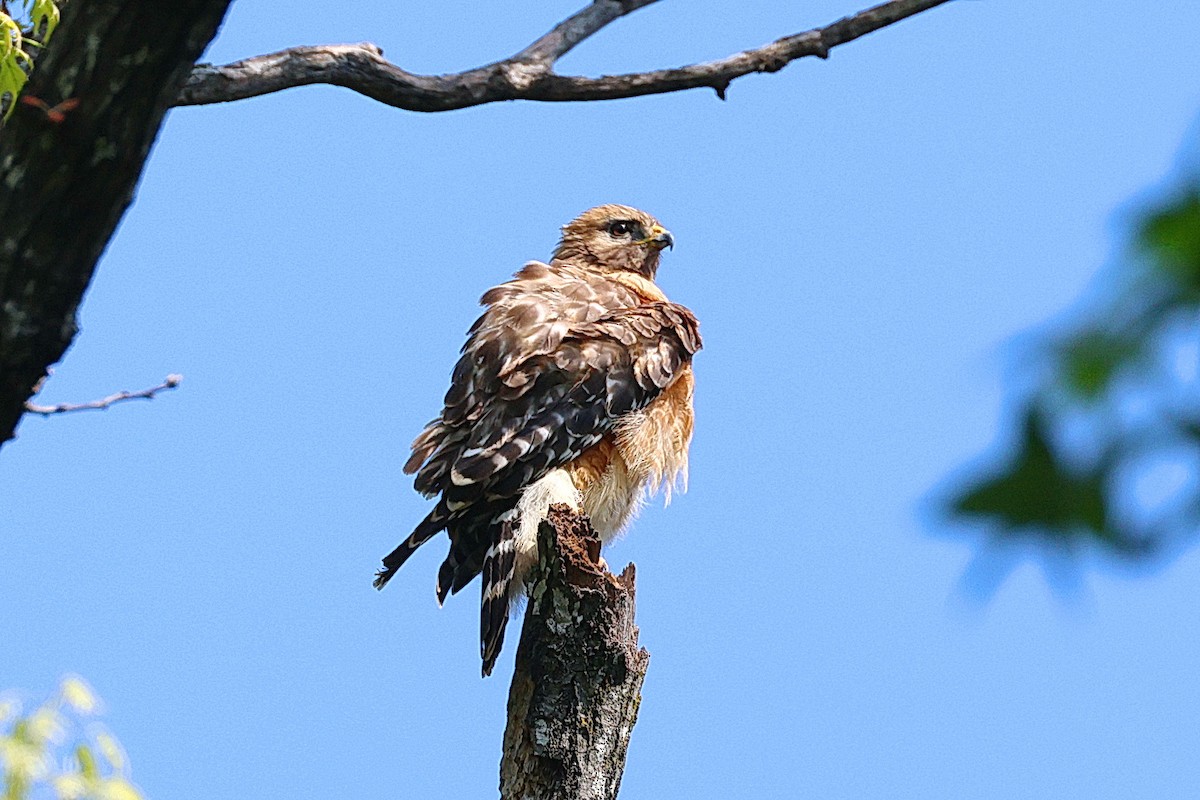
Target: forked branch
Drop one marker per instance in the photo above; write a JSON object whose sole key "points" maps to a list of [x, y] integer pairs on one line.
{"points": [[527, 75]]}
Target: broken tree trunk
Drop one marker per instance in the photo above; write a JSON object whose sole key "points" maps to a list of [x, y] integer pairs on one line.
{"points": [[577, 684]]}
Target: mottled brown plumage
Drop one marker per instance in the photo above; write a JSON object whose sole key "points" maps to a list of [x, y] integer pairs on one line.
{"points": [[574, 385]]}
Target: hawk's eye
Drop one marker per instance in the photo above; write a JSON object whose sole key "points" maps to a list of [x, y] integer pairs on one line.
{"points": [[618, 229]]}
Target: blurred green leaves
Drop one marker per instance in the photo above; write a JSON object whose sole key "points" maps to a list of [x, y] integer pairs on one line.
{"points": [[1091, 360], [1037, 490], [1170, 237], [34, 750], [1111, 391], [17, 34]]}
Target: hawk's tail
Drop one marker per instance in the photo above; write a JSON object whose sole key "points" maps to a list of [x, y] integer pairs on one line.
{"points": [[429, 527], [471, 535], [499, 566]]}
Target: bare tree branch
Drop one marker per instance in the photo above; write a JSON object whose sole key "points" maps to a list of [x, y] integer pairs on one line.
{"points": [[577, 684], [528, 75], [170, 382], [574, 29]]}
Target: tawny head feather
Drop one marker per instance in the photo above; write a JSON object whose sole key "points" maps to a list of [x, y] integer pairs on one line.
{"points": [[614, 237]]}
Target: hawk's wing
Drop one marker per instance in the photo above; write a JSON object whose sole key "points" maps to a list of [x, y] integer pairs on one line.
{"points": [[555, 361]]}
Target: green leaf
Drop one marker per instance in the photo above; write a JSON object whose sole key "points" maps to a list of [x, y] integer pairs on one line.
{"points": [[10, 35], [1170, 236], [119, 789], [78, 695], [1037, 492], [1091, 360], [87, 763], [14, 62], [43, 12]]}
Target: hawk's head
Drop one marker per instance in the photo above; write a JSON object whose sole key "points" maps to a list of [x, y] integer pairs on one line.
{"points": [[614, 237]]}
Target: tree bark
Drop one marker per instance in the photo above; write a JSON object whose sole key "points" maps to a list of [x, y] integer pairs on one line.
{"points": [[67, 176], [577, 684]]}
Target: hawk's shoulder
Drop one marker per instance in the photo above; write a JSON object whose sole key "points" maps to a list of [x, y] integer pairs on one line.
{"points": [[568, 292]]}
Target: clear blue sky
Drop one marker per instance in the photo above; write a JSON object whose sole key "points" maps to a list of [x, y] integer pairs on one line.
{"points": [[860, 238]]}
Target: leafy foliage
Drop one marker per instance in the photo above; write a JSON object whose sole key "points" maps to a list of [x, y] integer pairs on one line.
{"points": [[1038, 490], [50, 752], [40, 18], [1114, 395]]}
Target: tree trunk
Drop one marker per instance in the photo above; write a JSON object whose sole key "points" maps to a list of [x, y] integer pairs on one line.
{"points": [[67, 176], [578, 678]]}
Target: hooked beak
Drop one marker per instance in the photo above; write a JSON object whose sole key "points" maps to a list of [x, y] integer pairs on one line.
{"points": [[660, 237]]}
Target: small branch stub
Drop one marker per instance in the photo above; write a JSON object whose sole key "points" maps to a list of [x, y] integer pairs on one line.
{"points": [[577, 684]]}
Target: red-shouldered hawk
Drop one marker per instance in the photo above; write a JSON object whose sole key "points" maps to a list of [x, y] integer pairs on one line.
{"points": [[575, 386]]}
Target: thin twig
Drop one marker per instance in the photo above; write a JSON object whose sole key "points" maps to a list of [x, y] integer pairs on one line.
{"points": [[170, 382], [528, 75]]}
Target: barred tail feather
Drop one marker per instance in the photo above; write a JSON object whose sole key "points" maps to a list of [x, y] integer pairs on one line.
{"points": [[445, 578], [498, 567], [429, 527], [470, 536]]}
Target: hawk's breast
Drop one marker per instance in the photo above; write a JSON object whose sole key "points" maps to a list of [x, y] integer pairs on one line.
{"points": [[647, 450]]}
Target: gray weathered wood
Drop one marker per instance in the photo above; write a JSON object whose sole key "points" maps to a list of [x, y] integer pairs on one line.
{"points": [[527, 75], [577, 684]]}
